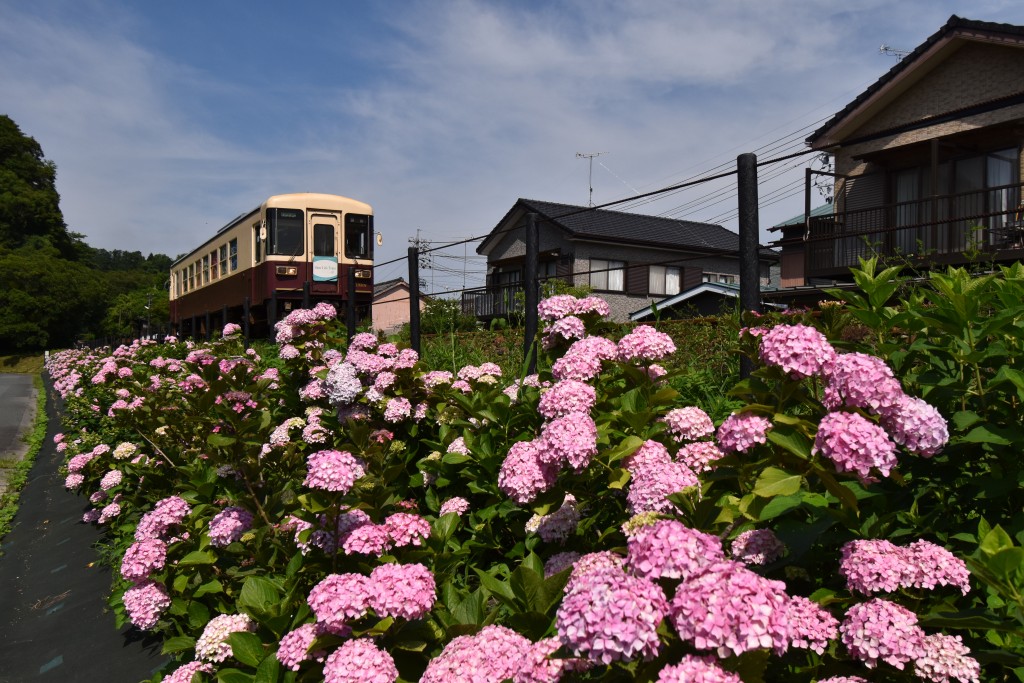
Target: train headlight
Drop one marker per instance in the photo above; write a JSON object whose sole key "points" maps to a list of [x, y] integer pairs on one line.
{"points": [[364, 274], [287, 271]]}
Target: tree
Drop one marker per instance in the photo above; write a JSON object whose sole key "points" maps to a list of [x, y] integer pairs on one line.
{"points": [[29, 202]]}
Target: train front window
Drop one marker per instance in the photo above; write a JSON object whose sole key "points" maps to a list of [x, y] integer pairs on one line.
{"points": [[357, 235], [286, 228], [323, 240]]}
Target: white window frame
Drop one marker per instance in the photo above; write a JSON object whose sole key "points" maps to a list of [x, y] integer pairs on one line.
{"points": [[665, 280], [608, 275]]}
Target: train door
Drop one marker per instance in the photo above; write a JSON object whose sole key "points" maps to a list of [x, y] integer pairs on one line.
{"points": [[325, 237]]}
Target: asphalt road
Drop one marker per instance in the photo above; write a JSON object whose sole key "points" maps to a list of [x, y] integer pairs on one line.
{"points": [[17, 409], [54, 621]]}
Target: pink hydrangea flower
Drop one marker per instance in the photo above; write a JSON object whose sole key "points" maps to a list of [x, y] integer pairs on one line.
{"points": [[611, 616], [591, 562], [693, 669], [405, 528], [855, 444], [368, 539], [493, 655], [809, 625], [650, 486], [340, 597], [670, 549], [143, 558], [164, 515], [559, 562], [570, 439], [566, 397], [699, 456], [566, 329], [73, 481], [945, 658], [645, 344], [592, 305], [145, 602], [457, 505], [212, 645], [742, 431], [229, 525], [186, 672], [731, 610], [397, 409], [333, 470], [917, 426], [757, 546], [689, 424], [294, 647], [406, 591], [111, 479], [857, 380], [882, 631], [557, 526], [584, 358], [360, 661], [799, 350], [557, 307]]}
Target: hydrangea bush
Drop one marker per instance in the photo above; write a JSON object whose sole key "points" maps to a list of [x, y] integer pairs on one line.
{"points": [[340, 512]]}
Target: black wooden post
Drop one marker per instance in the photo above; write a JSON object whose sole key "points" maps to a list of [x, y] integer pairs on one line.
{"points": [[194, 332], [414, 298], [350, 308], [272, 312], [750, 271], [530, 283], [206, 327], [245, 319], [305, 294], [223, 318]]}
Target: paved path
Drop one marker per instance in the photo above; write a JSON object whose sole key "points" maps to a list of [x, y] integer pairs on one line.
{"points": [[17, 412], [54, 621]]}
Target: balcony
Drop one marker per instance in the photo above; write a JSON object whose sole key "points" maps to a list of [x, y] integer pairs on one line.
{"points": [[934, 230], [497, 301]]}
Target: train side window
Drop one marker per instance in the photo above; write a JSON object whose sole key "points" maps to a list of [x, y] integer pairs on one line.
{"points": [[323, 240], [257, 242], [357, 235], [233, 254]]}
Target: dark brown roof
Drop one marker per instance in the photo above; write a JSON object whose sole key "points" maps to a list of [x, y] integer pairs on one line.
{"points": [[954, 24], [584, 222]]}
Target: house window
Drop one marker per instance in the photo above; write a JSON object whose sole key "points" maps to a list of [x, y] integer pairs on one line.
{"points": [[664, 280], [206, 270], [721, 278], [607, 275], [233, 254], [213, 264], [223, 259]]}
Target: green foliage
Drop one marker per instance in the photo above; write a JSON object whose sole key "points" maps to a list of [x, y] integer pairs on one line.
{"points": [[445, 316], [222, 433]]}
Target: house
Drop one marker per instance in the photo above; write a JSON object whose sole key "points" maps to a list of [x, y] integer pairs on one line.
{"points": [[705, 299], [927, 161], [628, 259], [391, 305]]}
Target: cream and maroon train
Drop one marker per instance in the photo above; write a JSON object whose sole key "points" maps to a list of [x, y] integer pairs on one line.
{"points": [[293, 250]]}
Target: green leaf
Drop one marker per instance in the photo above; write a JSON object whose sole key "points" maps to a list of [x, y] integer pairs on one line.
{"points": [[178, 644], [965, 418], [247, 648], [258, 596], [455, 458], [776, 482], [269, 671], [995, 541], [220, 440], [233, 676], [495, 586], [211, 587], [791, 438], [618, 478], [198, 558], [528, 586], [780, 505], [973, 619], [1000, 436]]}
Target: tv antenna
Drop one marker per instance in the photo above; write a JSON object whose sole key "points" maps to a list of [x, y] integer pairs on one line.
{"points": [[890, 51], [589, 156]]}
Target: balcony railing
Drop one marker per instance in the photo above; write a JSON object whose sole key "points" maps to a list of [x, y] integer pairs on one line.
{"points": [[940, 229], [497, 301]]}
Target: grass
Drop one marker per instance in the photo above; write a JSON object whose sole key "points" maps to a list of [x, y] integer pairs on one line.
{"points": [[22, 363], [16, 471]]}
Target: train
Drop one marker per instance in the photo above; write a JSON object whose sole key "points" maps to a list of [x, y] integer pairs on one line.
{"points": [[291, 251]]}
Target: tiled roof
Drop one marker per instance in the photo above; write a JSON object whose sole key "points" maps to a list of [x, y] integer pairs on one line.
{"points": [[950, 26], [629, 228]]}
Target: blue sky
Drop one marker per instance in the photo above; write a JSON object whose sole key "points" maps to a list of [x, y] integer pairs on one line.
{"points": [[168, 119]]}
